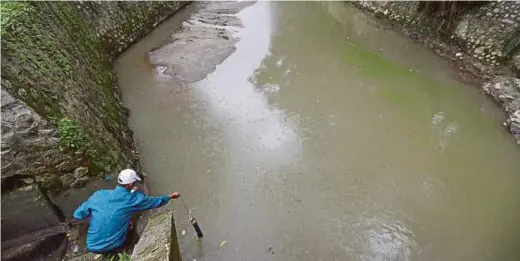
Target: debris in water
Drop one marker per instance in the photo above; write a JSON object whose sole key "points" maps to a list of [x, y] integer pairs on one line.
{"points": [[75, 249], [38, 198], [183, 232], [223, 243]]}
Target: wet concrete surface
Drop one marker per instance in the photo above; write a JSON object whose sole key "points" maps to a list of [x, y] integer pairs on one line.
{"points": [[325, 136]]}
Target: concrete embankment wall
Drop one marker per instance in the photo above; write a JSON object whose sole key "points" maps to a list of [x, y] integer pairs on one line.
{"points": [[63, 123], [482, 38]]}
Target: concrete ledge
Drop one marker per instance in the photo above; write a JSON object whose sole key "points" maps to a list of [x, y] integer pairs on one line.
{"points": [[158, 242]]}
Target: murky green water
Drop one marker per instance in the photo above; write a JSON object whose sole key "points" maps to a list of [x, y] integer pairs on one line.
{"points": [[327, 137]]}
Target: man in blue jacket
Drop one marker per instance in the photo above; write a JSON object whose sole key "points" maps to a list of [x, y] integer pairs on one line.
{"points": [[110, 212]]}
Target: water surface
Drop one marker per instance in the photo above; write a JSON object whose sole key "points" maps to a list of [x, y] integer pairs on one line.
{"points": [[326, 136]]}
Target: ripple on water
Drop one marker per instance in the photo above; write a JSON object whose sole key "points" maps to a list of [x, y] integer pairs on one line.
{"points": [[382, 238]]}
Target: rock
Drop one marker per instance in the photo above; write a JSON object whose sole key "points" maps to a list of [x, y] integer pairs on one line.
{"points": [[49, 181], [28, 181], [79, 182], [86, 257], [514, 127], [515, 58], [24, 211], [461, 30], [158, 241], [80, 172], [505, 90], [28, 188], [28, 143], [67, 180], [479, 50]]}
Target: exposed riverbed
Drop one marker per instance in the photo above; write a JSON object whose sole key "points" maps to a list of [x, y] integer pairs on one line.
{"points": [[325, 136]]}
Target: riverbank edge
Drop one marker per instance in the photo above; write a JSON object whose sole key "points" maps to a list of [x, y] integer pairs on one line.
{"points": [[500, 82]]}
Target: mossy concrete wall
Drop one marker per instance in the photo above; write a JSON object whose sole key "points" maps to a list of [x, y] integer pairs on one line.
{"points": [[56, 64], [63, 122]]}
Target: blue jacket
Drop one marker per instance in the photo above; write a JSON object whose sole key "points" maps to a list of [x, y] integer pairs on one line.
{"points": [[110, 212]]}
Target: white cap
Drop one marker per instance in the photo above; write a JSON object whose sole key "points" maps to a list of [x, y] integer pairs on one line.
{"points": [[127, 176]]}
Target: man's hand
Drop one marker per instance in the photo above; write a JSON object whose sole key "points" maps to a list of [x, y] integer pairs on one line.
{"points": [[175, 195]]}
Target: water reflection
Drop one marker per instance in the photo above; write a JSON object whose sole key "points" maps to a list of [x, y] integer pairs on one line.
{"points": [[252, 123]]}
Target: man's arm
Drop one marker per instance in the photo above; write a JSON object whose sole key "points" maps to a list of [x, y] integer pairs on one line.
{"points": [[82, 212], [147, 202]]}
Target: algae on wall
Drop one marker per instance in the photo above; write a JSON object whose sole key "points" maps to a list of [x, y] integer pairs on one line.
{"points": [[64, 104]]}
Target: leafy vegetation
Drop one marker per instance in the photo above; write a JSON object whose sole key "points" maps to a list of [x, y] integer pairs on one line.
{"points": [[121, 257], [10, 11], [71, 136]]}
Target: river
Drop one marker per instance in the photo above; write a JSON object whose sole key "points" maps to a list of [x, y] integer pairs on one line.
{"points": [[326, 136]]}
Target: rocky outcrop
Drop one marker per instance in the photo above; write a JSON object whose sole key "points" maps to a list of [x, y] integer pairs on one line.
{"points": [[31, 145], [484, 40]]}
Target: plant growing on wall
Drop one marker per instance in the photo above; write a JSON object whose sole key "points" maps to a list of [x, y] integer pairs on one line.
{"points": [[71, 137]]}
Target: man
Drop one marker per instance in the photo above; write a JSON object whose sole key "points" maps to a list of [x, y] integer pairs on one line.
{"points": [[110, 212]]}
